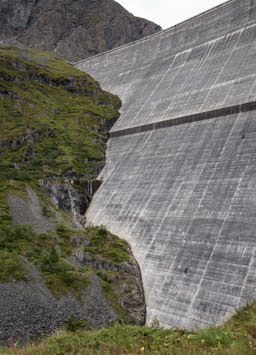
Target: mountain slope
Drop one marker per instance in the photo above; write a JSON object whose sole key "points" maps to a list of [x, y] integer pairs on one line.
{"points": [[53, 129], [74, 29], [51, 117]]}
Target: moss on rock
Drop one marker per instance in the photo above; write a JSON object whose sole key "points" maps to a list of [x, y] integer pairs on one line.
{"points": [[53, 127], [51, 117]]}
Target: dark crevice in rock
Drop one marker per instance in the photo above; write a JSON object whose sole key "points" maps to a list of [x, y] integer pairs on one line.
{"points": [[73, 197]]}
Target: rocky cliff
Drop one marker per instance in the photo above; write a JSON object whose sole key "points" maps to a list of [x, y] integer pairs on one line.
{"points": [[74, 29], [53, 121]]}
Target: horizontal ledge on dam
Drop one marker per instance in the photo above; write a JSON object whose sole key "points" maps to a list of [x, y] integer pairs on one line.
{"points": [[224, 111]]}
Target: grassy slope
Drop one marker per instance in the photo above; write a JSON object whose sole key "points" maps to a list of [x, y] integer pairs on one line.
{"points": [[235, 337], [50, 117], [50, 123], [60, 107], [19, 243]]}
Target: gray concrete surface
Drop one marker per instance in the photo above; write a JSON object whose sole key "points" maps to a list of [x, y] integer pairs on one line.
{"points": [[184, 195]]}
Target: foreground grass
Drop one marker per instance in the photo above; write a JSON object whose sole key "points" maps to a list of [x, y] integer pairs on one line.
{"points": [[236, 337]]}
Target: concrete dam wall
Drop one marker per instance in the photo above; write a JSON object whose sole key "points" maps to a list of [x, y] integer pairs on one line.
{"points": [[180, 178]]}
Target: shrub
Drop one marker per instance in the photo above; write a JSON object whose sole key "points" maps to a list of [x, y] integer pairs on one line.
{"points": [[104, 276], [11, 266], [106, 245], [45, 211], [214, 336], [102, 231], [9, 235], [63, 231], [73, 324], [49, 261], [34, 254]]}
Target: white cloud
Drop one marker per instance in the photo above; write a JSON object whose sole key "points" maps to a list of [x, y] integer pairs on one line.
{"points": [[167, 13]]}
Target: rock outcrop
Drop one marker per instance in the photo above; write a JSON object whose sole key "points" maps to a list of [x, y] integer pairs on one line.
{"points": [[52, 145], [110, 288], [29, 309], [73, 29], [70, 198]]}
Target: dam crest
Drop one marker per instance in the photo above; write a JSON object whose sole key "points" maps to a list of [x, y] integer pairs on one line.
{"points": [[180, 177]]}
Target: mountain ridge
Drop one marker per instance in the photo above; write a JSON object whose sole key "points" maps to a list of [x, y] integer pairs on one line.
{"points": [[75, 30]]}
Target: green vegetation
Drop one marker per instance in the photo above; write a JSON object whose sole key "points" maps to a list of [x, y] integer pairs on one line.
{"points": [[235, 337], [104, 277], [52, 125], [106, 245], [73, 324], [19, 243], [51, 116], [12, 239], [20, 246], [11, 266]]}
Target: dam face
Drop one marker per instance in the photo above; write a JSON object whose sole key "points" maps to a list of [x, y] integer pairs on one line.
{"points": [[180, 178]]}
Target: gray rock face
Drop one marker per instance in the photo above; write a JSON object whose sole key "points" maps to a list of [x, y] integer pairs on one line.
{"points": [[96, 307], [183, 193], [29, 211], [72, 197], [74, 29], [127, 282], [69, 199]]}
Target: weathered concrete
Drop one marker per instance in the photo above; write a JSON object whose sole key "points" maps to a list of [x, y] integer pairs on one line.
{"points": [[179, 183]]}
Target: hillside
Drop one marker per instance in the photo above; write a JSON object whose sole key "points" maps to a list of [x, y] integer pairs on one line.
{"points": [[54, 121], [52, 117], [75, 30]]}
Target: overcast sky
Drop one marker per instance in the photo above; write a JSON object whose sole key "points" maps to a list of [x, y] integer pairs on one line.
{"points": [[167, 13]]}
